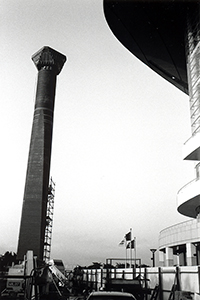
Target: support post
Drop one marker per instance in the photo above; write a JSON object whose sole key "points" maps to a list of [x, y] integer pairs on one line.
{"points": [[160, 283]]}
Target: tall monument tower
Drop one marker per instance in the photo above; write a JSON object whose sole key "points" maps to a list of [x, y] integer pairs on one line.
{"points": [[33, 220]]}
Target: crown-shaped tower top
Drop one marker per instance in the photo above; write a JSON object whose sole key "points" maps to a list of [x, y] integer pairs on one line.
{"points": [[48, 57]]}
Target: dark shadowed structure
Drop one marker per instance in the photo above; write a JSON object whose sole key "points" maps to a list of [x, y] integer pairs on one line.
{"points": [[155, 32], [33, 220]]}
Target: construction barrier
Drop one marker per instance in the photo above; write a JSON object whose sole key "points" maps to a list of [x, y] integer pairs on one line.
{"points": [[161, 283]]}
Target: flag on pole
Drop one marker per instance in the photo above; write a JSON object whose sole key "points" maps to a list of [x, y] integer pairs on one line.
{"points": [[131, 245], [122, 243], [128, 236]]}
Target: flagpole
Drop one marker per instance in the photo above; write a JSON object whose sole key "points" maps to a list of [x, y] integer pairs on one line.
{"points": [[135, 250], [127, 237], [131, 248], [126, 253]]}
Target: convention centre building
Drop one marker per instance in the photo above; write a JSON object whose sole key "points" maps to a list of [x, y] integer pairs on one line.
{"points": [[165, 35]]}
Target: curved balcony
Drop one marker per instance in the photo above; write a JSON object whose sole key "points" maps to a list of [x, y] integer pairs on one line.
{"points": [[179, 234], [191, 148], [188, 199]]}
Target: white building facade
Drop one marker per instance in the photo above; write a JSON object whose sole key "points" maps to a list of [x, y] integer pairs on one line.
{"points": [[180, 244]]}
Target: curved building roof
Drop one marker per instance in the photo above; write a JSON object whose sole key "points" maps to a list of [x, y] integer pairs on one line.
{"points": [[154, 31]]}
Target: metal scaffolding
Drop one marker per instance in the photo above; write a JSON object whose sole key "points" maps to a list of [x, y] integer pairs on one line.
{"points": [[49, 221]]}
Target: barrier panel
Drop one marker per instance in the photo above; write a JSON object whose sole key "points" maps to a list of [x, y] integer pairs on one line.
{"points": [[173, 282]]}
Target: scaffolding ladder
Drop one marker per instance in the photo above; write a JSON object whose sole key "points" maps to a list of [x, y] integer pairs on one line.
{"points": [[49, 221]]}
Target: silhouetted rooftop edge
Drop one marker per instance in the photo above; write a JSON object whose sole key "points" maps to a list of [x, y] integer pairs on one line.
{"points": [[154, 31]]}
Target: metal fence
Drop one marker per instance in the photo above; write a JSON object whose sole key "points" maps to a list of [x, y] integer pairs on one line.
{"points": [[161, 282]]}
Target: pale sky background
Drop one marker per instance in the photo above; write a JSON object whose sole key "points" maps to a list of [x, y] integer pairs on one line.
{"points": [[118, 133]]}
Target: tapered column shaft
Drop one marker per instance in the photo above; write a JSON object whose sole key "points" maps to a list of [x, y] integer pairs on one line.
{"points": [[33, 220]]}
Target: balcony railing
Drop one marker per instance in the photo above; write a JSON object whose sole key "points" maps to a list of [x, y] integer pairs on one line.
{"points": [[186, 185]]}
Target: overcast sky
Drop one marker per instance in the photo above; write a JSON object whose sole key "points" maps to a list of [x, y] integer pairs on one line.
{"points": [[117, 140]]}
